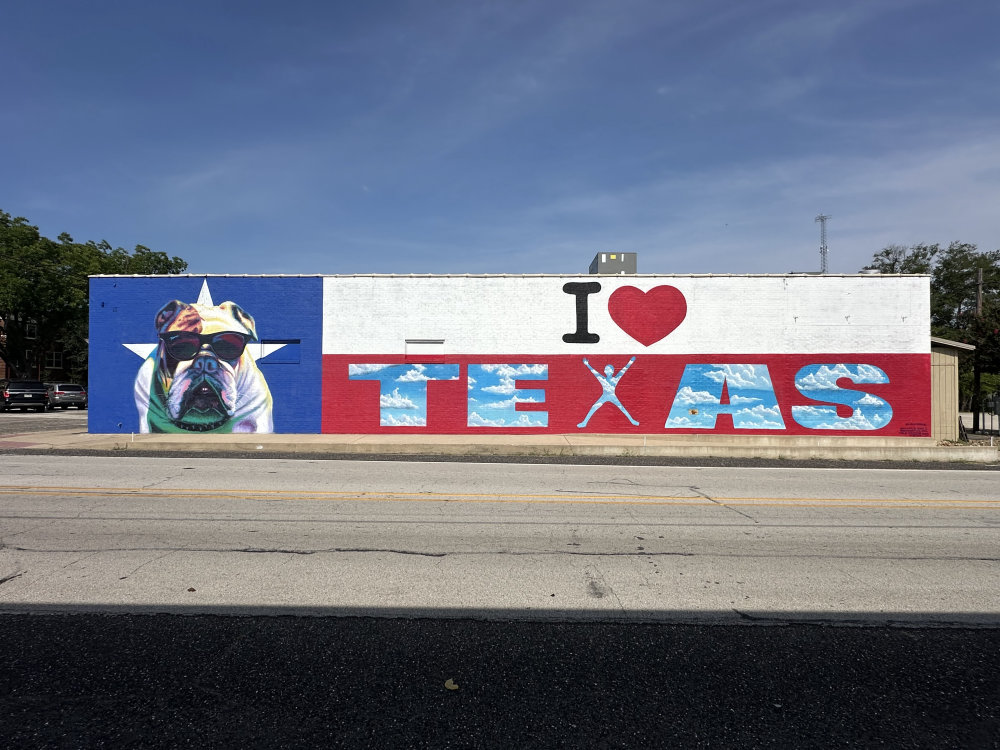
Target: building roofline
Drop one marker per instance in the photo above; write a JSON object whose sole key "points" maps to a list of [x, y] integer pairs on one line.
{"points": [[505, 275], [952, 344]]}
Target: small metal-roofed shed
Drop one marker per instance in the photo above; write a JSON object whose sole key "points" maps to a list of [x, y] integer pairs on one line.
{"points": [[944, 386]]}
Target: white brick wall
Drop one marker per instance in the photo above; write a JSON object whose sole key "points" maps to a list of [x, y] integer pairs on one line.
{"points": [[725, 314]]}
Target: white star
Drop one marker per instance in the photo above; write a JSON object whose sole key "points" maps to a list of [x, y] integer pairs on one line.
{"points": [[143, 350], [205, 296]]}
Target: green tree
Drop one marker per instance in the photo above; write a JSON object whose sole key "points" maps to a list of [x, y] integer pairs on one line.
{"points": [[965, 304], [142, 261], [44, 292], [39, 288], [902, 259]]}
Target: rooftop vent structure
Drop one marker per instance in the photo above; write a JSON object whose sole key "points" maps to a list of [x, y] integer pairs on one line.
{"points": [[616, 263]]}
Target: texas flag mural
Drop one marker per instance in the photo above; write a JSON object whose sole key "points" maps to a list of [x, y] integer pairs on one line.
{"points": [[767, 355], [205, 354], [639, 354]]}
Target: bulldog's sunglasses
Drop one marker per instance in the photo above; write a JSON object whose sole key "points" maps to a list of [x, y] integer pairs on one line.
{"points": [[186, 344]]}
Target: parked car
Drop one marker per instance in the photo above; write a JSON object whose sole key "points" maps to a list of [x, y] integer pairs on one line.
{"points": [[65, 395], [23, 394]]}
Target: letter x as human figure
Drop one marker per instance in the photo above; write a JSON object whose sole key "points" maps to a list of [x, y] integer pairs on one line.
{"points": [[609, 381]]}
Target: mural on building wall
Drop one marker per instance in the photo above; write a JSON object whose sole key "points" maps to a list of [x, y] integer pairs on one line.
{"points": [[200, 377], [164, 357], [730, 355], [512, 354]]}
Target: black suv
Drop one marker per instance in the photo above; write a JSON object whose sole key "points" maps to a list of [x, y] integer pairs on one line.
{"points": [[23, 394]]}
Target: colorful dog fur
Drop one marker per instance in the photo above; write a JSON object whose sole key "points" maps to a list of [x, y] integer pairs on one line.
{"points": [[205, 393]]}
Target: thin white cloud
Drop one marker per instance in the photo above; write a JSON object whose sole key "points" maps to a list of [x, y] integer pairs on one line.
{"points": [[527, 420], [504, 388], [749, 377], [687, 395], [870, 400], [759, 417], [509, 403], [826, 377], [697, 422], [895, 153], [475, 420], [402, 420], [522, 420], [515, 371], [508, 374], [355, 370], [810, 30], [819, 418]]}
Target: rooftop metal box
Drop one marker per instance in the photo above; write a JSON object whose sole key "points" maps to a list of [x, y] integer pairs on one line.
{"points": [[617, 263]]}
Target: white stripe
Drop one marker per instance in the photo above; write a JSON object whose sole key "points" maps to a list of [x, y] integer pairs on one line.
{"points": [[725, 315]]}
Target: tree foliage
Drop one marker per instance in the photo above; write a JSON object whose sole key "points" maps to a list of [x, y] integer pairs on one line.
{"points": [[44, 292], [902, 259], [962, 308]]}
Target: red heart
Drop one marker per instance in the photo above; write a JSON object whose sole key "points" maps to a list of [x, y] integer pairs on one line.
{"points": [[647, 316]]}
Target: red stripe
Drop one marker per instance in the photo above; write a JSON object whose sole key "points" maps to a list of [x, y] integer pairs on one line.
{"points": [[647, 391]]}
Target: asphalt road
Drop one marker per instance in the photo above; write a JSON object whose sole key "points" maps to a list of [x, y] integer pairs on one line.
{"points": [[184, 678], [14, 422], [204, 681], [500, 540]]}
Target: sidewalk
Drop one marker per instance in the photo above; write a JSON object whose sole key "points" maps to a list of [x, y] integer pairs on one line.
{"points": [[689, 446]]}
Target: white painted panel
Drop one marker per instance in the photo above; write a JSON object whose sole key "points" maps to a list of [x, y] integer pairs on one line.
{"points": [[425, 347], [725, 314]]}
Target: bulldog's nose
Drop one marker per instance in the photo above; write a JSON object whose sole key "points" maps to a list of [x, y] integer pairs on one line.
{"points": [[205, 364]]}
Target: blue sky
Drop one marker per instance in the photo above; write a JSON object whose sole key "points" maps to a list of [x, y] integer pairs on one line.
{"points": [[504, 137]]}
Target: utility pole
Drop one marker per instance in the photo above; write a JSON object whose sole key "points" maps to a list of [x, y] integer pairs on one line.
{"points": [[977, 380], [979, 292], [822, 241]]}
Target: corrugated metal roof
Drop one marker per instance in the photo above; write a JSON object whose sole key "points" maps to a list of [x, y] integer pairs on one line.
{"points": [[952, 344]]}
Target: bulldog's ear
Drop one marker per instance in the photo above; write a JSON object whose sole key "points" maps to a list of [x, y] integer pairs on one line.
{"points": [[242, 317], [167, 313]]}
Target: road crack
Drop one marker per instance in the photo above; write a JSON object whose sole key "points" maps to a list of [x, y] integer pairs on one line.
{"points": [[711, 499], [479, 553], [151, 560], [12, 576], [387, 550]]}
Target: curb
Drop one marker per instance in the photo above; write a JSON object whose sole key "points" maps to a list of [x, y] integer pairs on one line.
{"points": [[554, 446]]}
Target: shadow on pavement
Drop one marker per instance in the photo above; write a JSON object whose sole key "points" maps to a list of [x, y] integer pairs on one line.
{"points": [[165, 680], [659, 616]]}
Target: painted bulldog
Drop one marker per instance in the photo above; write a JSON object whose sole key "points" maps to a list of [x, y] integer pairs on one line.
{"points": [[200, 378]]}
